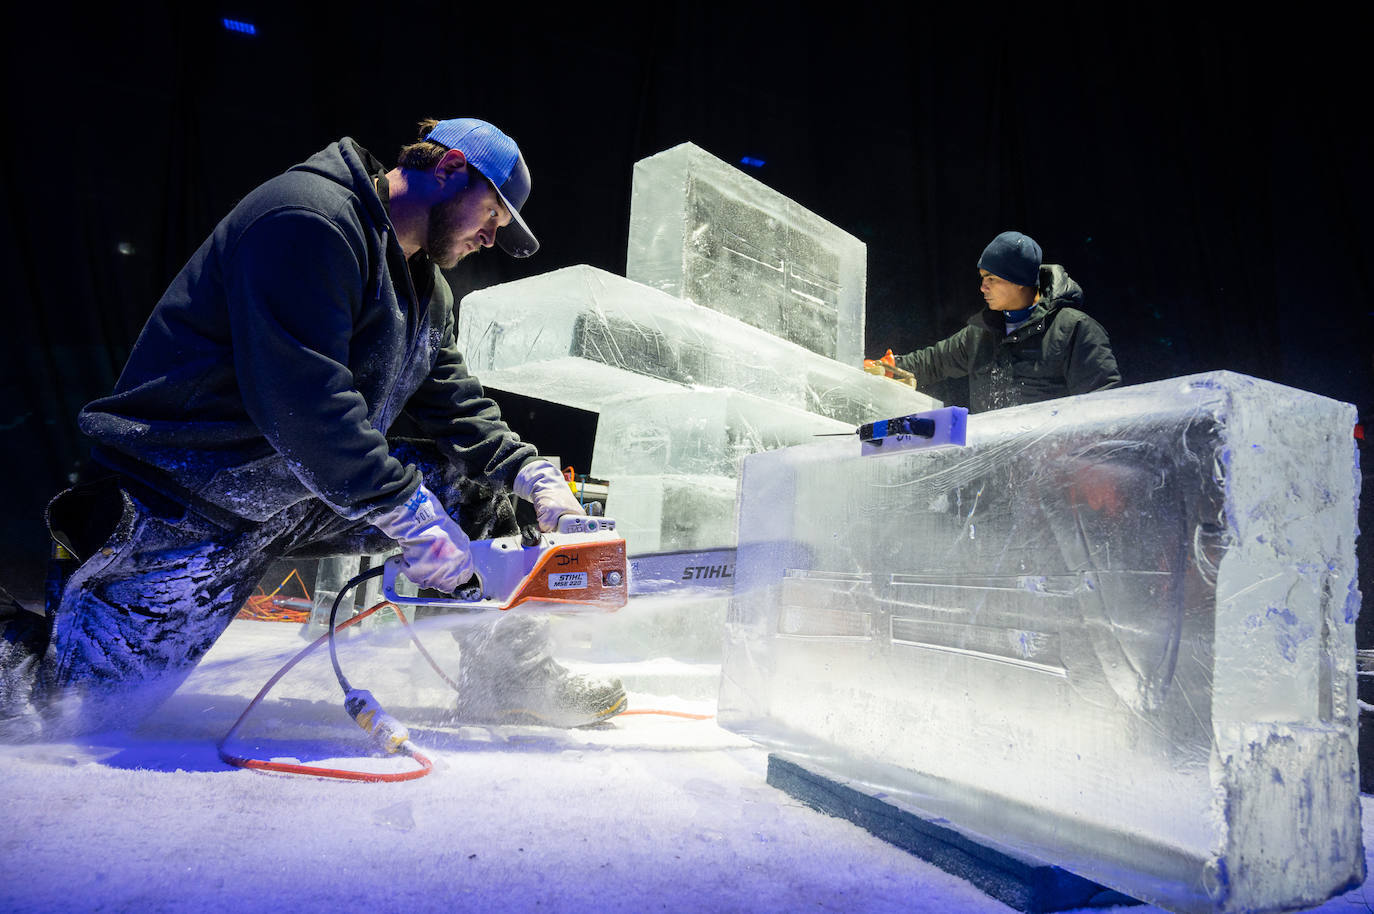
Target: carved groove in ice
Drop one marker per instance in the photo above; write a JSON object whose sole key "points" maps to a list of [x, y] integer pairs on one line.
{"points": [[703, 230], [1115, 631]]}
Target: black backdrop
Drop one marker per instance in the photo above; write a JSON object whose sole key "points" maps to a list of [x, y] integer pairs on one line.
{"points": [[1205, 176]]}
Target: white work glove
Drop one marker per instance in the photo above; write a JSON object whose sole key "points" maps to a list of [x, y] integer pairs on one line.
{"points": [[435, 551], [540, 483]]}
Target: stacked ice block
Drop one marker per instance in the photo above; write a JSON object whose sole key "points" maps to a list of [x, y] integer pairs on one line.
{"points": [[1115, 632], [554, 335], [727, 345], [702, 230], [682, 392]]}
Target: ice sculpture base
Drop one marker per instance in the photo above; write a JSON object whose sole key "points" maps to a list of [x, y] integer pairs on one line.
{"points": [[1013, 878]]}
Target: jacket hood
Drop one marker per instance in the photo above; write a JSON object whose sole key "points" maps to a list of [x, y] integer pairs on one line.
{"points": [[350, 165], [1058, 289]]}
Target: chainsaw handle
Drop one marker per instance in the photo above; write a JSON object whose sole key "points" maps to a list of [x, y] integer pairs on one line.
{"points": [[395, 566], [585, 523], [582, 565]]}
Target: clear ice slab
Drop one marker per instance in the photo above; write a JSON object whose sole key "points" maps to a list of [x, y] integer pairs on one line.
{"points": [[584, 313], [1115, 632], [702, 229]]}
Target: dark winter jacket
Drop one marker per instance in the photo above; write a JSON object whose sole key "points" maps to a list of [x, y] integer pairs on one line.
{"points": [[1058, 351], [272, 367]]}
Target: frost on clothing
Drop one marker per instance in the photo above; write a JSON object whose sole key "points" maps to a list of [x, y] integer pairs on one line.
{"points": [[279, 356], [1057, 352], [138, 615]]}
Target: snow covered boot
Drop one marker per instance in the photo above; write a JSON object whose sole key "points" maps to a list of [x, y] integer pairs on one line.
{"points": [[23, 639], [507, 675]]}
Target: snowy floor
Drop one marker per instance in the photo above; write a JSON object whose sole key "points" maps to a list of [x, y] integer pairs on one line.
{"points": [[649, 813]]}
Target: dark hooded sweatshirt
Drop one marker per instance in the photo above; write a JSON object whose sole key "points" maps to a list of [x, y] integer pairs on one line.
{"points": [[1056, 352], [272, 367]]}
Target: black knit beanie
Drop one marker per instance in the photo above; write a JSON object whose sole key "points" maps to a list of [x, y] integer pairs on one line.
{"points": [[1014, 257]]}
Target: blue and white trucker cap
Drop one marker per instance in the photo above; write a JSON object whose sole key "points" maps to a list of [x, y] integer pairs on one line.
{"points": [[497, 157]]}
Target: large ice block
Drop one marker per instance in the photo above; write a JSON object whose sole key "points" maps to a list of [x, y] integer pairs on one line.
{"points": [[1115, 632], [704, 230], [595, 316], [697, 432]]}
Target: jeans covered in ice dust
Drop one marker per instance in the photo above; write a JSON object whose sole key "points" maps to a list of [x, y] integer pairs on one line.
{"points": [[140, 612]]}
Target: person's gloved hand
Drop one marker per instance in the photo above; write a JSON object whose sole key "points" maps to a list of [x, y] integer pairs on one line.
{"points": [[880, 366], [884, 367], [540, 483], [435, 551]]}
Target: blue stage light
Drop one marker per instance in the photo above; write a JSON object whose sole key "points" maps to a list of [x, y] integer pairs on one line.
{"points": [[235, 25], [751, 162]]}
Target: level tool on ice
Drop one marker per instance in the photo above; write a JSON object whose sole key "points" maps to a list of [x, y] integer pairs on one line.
{"points": [[933, 428], [580, 568]]}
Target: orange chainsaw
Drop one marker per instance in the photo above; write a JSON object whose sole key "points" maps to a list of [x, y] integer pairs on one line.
{"points": [[580, 568]]}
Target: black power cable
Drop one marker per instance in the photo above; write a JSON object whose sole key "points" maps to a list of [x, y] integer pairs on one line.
{"points": [[333, 617]]}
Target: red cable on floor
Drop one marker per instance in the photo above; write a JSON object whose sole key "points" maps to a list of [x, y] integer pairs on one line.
{"points": [[685, 714], [340, 773]]}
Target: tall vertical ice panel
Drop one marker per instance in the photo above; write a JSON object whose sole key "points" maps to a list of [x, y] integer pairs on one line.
{"points": [[1116, 632], [703, 230]]}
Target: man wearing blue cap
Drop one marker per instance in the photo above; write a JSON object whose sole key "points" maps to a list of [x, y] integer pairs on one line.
{"points": [[1031, 343], [250, 423]]}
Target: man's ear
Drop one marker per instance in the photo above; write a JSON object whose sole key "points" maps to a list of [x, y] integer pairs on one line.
{"points": [[449, 164]]}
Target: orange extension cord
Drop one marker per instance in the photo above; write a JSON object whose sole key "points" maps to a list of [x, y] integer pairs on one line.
{"points": [[426, 766]]}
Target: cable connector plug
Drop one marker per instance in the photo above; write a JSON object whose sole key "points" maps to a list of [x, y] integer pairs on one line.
{"points": [[385, 730]]}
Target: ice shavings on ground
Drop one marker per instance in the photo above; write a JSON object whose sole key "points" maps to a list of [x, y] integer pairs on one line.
{"points": [[646, 813]]}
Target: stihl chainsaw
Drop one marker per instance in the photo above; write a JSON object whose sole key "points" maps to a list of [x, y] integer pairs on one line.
{"points": [[580, 568]]}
